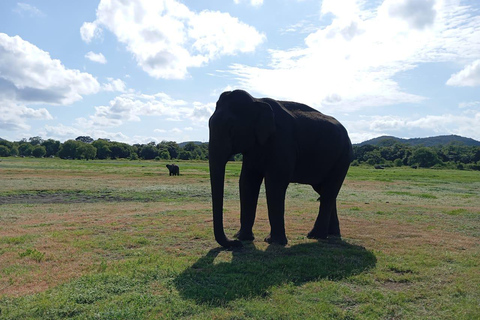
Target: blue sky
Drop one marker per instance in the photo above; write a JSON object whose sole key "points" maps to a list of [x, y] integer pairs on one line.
{"points": [[140, 71]]}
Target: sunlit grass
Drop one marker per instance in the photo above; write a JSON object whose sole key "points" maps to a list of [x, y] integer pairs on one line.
{"points": [[123, 240]]}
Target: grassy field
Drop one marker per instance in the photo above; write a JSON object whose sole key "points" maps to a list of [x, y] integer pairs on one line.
{"points": [[123, 240]]}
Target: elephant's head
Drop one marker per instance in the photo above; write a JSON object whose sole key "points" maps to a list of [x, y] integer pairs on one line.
{"points": [[239, 124]]}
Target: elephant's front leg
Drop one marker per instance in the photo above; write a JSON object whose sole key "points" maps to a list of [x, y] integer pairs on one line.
{"points": [[249, 184], [276, 191]]}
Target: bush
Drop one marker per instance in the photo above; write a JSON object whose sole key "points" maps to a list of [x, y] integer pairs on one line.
{"points": [[133, 156], [4, 151], [398, 162], [424, 157], [39, 151]]}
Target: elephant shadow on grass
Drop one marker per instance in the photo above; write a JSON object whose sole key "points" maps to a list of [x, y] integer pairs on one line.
{"points": [[251, 272]]}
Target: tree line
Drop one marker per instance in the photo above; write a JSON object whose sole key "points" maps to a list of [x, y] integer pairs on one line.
{"points": [[452, 155], [85, 147]]}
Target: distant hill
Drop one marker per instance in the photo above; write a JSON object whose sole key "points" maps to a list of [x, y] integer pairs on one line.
{"points": [[427, 142], [183, 144]]}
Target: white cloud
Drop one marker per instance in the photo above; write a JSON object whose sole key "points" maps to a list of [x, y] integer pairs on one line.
{"points": [[89, 30], [468, 77], [352, 62], [419, 14], [96, 57], [29, 75], [130, 107], [167, 39], [135, 107], [465, 124], [201, 113], [255, 3], [62, 132], [114, 85], [470, 104], [28, 9], [14, 116]]}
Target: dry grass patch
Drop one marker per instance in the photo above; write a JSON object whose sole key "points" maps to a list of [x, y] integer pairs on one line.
{"points": [[124, 240]]}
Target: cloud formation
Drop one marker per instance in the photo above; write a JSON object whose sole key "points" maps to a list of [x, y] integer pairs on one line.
{"points": [[14, 116], [351, 63], [254, 3], [468, 77], [366, 127], [28, 9], [114, 85], [167, 39], [96, 57], [28, 76], [131, 106]]}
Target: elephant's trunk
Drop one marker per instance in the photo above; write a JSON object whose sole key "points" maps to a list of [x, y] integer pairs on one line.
{"points": [[217, 179]]}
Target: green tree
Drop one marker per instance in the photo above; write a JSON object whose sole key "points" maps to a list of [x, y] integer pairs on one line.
{"points": [[68, 150], [103, 148], [149, 152], [172, 148], [51, 147], [398, 162], [374, 157], [85, 151], [35, 141], [4, 151], [360, 152], [85, 139], [164, 154], [120, 150], [184, 155], [25, 149], [424, 157], [39, 151], [14, 151]]}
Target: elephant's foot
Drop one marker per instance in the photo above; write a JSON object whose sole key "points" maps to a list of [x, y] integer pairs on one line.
{"points": [[315, 234], [282, 240], [244, 236], [334, 235]]}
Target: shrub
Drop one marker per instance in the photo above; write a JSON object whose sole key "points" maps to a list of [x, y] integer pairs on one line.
{"points": [[398, 162], [39, 151], [4, 151]]}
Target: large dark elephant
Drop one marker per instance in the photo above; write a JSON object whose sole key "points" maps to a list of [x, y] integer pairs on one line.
{"points": [[173, 169], [281, 142]]}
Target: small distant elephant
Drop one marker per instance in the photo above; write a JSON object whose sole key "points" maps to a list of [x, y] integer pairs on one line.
{"points": [[174, 169], [379, 167], [281, 142]]}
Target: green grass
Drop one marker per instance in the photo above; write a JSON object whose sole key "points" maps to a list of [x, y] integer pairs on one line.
{"points": [[123, 240]]}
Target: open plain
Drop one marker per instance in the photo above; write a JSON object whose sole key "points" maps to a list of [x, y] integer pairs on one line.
{"points": [[124, 240]]}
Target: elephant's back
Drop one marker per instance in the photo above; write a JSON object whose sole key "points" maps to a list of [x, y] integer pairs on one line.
{"points": [[322, 144]]}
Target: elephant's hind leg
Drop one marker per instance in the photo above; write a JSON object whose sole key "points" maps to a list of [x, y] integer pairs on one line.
{"points": [[327, 223], [321, 227]]}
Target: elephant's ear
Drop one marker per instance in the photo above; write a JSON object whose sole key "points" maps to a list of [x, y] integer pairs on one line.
{"points": [[265, 122]]}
